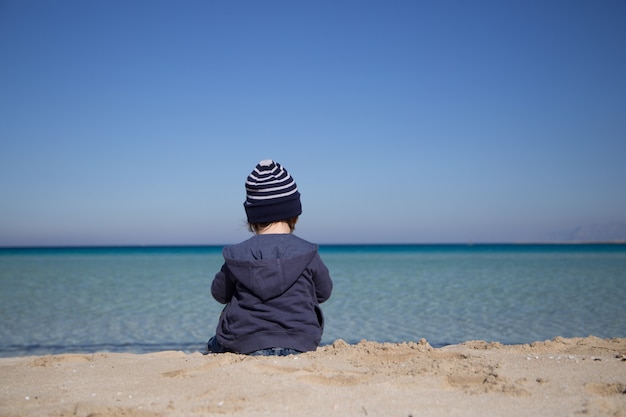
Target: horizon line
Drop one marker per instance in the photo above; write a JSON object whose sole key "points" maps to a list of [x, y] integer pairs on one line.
{"points": [[201, 245]]}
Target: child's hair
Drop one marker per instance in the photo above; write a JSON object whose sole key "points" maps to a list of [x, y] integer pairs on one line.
{"points": [[257, 227]]}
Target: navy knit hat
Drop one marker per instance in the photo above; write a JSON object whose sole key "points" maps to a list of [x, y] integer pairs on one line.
{"points": [[271, 194]]}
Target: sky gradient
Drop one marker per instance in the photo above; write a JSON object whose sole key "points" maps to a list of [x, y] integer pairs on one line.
{"points": [[137, 122]]}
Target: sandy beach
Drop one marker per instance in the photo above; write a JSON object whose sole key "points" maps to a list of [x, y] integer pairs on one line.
{"points": [[560, 377]]}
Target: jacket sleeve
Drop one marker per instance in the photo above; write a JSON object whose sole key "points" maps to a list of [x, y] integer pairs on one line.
{"points": [[321, 279], [222, 287]]}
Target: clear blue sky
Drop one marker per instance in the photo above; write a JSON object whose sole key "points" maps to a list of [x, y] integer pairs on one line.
{"points": [[137, 122]]}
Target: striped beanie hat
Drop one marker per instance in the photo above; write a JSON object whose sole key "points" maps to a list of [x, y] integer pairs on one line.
{"points": [[271, 194]]}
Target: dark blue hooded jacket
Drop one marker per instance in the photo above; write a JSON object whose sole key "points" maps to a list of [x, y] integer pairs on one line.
{"points": [[272, 285]]}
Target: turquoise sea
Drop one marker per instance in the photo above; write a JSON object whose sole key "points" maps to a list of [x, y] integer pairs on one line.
{"points": [[145, 299]]}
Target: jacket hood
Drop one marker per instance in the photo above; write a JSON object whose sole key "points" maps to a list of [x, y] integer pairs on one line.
{"points": [[266, 267]]}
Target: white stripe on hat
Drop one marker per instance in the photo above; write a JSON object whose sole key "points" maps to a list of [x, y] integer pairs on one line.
{"points": [[269, 197], [265, 182]]}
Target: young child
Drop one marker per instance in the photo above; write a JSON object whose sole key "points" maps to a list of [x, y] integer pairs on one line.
{"points": [[272, 284]]}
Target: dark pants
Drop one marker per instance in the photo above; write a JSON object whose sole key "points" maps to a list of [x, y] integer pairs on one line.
{"points": [[213, 346]]}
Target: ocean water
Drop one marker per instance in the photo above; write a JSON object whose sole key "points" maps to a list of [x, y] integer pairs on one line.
{"points": [[158, 298]]}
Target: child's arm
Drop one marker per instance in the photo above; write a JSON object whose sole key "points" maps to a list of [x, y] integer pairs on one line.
{"points": [[222, 287], [321, 279]]}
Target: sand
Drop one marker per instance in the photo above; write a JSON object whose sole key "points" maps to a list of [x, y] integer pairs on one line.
{"points": [[560, 377]]}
